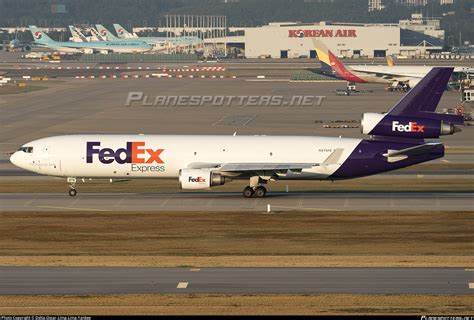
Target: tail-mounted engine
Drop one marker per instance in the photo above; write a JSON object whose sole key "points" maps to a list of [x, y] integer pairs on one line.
{"points": [[405, 126]]}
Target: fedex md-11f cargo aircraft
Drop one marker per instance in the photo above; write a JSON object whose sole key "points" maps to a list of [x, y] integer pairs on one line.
{"points": [[397, 140]]}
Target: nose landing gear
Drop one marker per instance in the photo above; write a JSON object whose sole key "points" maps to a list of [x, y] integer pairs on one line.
{"points": [[72, 186]]}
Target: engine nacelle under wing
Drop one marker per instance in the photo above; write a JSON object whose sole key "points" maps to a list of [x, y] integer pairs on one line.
{"points": [[198, 179]]}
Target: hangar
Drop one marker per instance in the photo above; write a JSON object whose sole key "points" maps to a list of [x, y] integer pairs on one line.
{"points": [[294, 40]]}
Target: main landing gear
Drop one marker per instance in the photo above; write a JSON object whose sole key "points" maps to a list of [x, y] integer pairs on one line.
{"points": [[72, 186], [256, 188], [259, 192]]}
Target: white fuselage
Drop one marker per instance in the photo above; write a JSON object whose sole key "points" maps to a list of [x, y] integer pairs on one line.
{"points": [[402, 71], [67, 156]]}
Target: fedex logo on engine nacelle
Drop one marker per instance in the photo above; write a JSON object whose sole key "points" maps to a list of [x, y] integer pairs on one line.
{"points": [[410, 127], [197, 179], [134, 152]]}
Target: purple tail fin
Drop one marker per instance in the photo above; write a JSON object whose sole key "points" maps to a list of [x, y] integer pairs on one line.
{"points": [[423, 99]]}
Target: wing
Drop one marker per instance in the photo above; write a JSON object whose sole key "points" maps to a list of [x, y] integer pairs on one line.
{"points": [[388, 76], [266, 169]]}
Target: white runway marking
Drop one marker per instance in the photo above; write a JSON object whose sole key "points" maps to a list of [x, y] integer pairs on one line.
{"points": [[182, 285], [303, 208], [69, 208]]}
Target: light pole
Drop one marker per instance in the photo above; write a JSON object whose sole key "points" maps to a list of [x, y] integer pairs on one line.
{"points": [[451, 36]]}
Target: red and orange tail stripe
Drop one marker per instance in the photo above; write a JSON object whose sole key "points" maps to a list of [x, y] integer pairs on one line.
{"points": [[328, 58], [390, 61], [339, 67]]}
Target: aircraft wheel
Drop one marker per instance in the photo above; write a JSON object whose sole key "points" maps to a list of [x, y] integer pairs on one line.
{"points": [[72, 192], [248, 192], [260, 192]]}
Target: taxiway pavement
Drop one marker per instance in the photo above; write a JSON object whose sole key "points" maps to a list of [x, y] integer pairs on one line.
{"points": [[101, 280], [231, 201]]}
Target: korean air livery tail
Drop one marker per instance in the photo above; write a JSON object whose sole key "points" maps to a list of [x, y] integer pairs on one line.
{"points": [[330, 61], [96, 35], [105, 33], [39, 36], [122, 33], [414, 116], [77, 36]]}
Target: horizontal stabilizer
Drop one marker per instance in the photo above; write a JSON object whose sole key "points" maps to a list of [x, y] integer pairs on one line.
{"points": [[397, 155]]}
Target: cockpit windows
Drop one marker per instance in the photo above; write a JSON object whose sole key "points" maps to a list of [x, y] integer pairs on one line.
{"points": [[26, 149]]}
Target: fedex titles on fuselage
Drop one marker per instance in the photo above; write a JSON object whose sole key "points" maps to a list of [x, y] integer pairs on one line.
{"points": [[136, 154]]}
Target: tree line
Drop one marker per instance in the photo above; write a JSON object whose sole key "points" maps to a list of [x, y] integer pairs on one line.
{"points": [[131, 13]]}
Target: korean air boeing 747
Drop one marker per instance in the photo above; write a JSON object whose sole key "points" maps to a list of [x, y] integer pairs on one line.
{"points": [[397, 140], [130, 46]]}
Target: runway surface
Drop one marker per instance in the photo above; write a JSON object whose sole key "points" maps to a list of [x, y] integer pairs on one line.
{"points": [[216, 201], [94, 280]]}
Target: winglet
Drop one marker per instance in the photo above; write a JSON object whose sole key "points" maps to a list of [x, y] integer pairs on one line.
{"points": [[334, 157]]}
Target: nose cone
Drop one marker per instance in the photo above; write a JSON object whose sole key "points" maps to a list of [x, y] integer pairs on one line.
{"points": [[18, 159]]}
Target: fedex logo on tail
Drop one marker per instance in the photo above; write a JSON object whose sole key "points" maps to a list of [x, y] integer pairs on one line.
{"points": [[134, 152], [410, 127]]}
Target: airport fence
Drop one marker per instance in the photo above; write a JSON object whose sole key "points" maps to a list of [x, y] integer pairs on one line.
{"points": [[125, 57]]}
